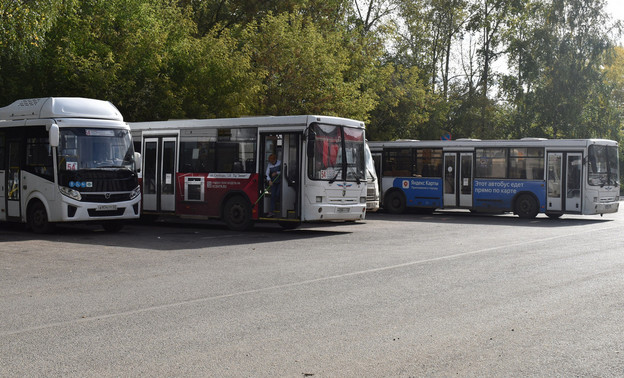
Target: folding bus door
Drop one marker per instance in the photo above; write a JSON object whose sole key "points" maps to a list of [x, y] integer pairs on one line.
{"points": [[286, 147], [553, 182], [573, 182], [159, 174], [465, 179], [564, 182], [13, 190], [458, 172], [450, 179]]}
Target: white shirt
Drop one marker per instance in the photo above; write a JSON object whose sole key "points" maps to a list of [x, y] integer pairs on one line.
{"points": [[277, 164]]}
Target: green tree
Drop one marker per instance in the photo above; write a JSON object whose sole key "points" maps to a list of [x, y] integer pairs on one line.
{"points": [[218, 78], [23, 28], [403, 108], [120, 50], [305, 70], [557, 61], [214, 16]]}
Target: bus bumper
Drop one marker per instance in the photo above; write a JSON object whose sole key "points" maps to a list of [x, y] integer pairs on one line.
{"points": [[325, 212], [606, 207], [75, 211], [372, 206]]}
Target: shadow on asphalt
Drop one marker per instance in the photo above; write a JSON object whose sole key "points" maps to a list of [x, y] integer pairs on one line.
{"points": [[507, 219], [175, 234]]}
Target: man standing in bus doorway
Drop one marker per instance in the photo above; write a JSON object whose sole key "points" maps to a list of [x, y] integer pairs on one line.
{"points": [[274, 178]]}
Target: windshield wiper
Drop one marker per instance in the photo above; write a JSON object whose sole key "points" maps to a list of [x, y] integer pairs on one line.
{"points": [[358, 178], [371, 175], [335, 177]]}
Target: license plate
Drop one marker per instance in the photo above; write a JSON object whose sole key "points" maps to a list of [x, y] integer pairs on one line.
{"points": [[106, 207], [343, 209]]}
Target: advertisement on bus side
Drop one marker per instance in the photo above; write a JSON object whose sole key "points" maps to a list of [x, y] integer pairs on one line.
{"points": [[499, 194], [421, 192]]}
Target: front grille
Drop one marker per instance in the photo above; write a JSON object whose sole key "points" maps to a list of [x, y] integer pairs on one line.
{"points": [[607, 199], [371, 193], [107, 213], [101, 197], [343, 200]]}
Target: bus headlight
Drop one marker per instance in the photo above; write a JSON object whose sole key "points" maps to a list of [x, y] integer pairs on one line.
{"points": [[135, 193], [71, 193], [362, 199], [319, 199]]}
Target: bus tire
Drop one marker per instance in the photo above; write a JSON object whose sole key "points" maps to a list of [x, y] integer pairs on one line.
{"points": [[395, 202], [237, 214], [526, 206], [113, 226], [38, 218]]}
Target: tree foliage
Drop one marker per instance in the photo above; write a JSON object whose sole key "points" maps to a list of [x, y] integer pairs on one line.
{"points": [[409, 68]]}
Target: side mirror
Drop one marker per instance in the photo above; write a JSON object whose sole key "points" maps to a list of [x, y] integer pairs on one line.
{"points": [[137, 161], [53, 135]]}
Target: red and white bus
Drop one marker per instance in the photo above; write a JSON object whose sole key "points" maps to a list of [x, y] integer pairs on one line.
{"points": [[215, 168]]}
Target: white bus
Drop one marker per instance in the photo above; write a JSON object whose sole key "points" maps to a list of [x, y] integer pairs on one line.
{"points": [[216, 168], [66, 160], [526, 176]]}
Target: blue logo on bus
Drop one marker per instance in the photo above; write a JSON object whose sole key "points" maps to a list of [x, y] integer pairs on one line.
{"points": [[79, 184]]}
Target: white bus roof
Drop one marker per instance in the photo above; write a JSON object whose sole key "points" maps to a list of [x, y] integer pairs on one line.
{"points": [[60, 107], [299, 120]]}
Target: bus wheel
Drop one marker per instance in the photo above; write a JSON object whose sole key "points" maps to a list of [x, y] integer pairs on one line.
{"points": [[237, 214], [113, 226], [526, 206], [38, 219], [395, 202]]}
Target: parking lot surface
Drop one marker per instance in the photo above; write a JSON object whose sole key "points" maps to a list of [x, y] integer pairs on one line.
{"points": [[396, 295]]}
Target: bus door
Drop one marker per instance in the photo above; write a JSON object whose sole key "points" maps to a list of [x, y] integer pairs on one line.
{"points": [[3, 176], [12, 183], [564, 182], [553, 181], [458, 179], [159, 173], [574, 164], [465, 179], [286, 146], [450, 179]]}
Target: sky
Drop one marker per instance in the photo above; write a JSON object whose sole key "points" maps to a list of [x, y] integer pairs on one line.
{"points": [[616, 8]]}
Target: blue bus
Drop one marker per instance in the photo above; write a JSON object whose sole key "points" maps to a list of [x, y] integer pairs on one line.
{"points": [[525, 176]]}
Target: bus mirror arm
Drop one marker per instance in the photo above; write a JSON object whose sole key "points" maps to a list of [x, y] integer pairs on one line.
{"points": [[53, 135], [137, 161]]}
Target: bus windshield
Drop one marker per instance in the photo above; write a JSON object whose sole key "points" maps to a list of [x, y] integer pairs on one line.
{"points": [[95, 148], [338, 153], [603, 166]]}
